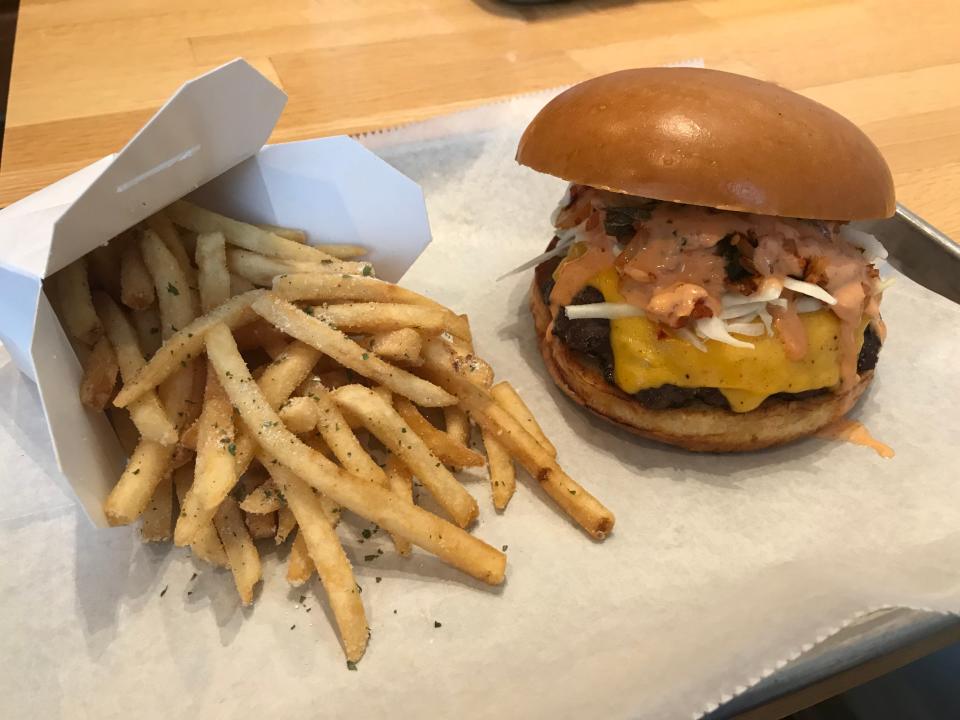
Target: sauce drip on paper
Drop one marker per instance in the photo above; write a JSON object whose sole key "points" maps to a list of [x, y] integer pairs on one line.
{"points": [[856, 433]]}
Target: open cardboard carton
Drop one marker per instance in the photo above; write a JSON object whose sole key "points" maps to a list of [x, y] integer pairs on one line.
{"points": [[207, 143]]}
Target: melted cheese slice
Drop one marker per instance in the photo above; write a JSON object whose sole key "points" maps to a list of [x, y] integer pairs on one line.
{"points": [[746, 377]]}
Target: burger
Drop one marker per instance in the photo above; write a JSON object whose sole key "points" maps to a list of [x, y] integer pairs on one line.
{"points": [[703, 287]]}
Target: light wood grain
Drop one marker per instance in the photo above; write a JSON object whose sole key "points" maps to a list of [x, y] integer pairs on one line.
{"points": [[87, 73]]}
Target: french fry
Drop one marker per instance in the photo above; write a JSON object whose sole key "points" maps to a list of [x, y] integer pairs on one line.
{"points": [[331, 509], [172, 286], [243, 235], [334, 343], [384, 394], [338, 436], [287, 372], [299, 414], [239, 285], [347, 288], [102, 264], [72, 289], [466, 363], [440, 443], [572, 498], [344, 252], [461, 347], [437, 536], [185, 344], [345, 446], [146, 468], [188, 238], [127, 432], [188, 438], [503, 475], [241, 552], [398, 437], [402, 346], [299, 564], [216, 471], [136, 285], [147, 324], [262, 269], [331, 561], [400, 481], [146, 412], [203, 420], [100, 372], [265, 498], [335, 378], [181, 456], [261, 525], [508, 398], [259, 334], [277, 382], [286, 522], [213, 278], [354, 421], [206, 545], [457, 424], [130, 496], [165, 230], [176, 394], [298, 236], [381, 317], [158, 517]]}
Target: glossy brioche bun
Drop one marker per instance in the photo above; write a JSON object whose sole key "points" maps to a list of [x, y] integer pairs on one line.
{"points": [[701, 427], [712, 138]]}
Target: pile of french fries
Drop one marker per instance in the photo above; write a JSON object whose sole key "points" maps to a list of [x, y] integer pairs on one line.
{"points": [[266, 383]]}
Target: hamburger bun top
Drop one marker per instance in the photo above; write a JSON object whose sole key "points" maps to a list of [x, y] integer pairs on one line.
{"points": [[712, 138]]}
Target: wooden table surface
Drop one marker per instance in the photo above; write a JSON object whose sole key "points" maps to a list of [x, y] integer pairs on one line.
{"points": [[88, 73]]}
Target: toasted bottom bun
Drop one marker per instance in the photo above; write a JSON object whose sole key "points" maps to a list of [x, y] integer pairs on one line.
{"points": [[701, 428]]}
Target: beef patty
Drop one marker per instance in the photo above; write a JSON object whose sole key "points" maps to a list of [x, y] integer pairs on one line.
{"points": [[592, 338]]}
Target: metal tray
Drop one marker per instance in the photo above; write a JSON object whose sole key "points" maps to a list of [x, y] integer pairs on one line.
{"points": [[930, 258]]}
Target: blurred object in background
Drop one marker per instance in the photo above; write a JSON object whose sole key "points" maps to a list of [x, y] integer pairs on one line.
{"points": [[8, 28]]}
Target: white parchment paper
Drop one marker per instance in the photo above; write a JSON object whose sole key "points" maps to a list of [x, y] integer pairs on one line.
{"points": [[719, 569]]}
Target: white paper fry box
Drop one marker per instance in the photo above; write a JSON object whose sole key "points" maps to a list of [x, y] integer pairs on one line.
{"points": [[207, 142]]}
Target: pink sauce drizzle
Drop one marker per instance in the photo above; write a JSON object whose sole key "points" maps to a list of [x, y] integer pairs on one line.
{"points": [[792, 334], [855, 433]]}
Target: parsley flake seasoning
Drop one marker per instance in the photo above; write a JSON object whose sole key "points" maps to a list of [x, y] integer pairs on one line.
{"points": [[367, 271], [172, 289], [232, 448], [351, 665]]}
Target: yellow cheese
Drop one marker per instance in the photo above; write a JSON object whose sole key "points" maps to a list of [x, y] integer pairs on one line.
{"points": [[746, 377]]}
